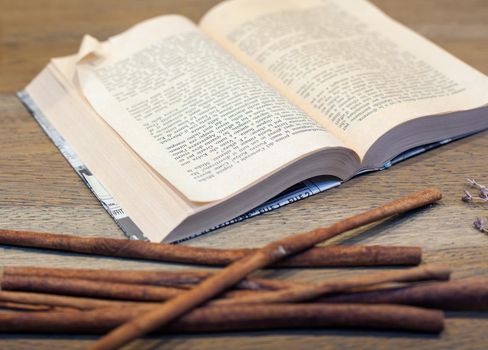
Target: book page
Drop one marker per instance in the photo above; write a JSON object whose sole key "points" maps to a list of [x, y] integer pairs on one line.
{"points": [[353, 69], [202, 120]]}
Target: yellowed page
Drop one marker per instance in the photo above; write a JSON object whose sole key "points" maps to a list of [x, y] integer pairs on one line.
{"points": [[350, 67], [202, 120]]}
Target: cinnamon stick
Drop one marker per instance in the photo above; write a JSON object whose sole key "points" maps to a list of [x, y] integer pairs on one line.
{"points": [[65, 284], [238, 270], [319, 256], [24, 306], [98, 289], [45, 302], [470, 294], [87, 288], [154, 277], [233, 318], [61, 301], [312, 291]]}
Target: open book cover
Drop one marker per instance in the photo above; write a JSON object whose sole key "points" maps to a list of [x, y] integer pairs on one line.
{"points": [[179, 128]]}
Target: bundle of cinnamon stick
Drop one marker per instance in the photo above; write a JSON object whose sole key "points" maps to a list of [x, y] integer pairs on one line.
{"points": [[129, 304]]}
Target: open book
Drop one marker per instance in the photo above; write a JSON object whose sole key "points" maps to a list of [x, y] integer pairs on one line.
{"points": [[187, 127]]}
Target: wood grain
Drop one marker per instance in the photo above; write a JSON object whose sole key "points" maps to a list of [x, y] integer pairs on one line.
{"points": [[40, 191]]}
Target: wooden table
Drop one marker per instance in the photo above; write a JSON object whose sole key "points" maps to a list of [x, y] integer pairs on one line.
{"points": [[40, 191]]}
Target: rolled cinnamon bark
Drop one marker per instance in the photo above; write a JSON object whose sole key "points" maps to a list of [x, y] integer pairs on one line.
{"points": [[318, 256], [96, 289], [52, 301], [234, 318], [157, 277], [24, 306], [464, 294]]}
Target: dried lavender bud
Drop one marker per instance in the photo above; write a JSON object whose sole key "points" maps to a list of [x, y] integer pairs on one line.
{"points": [[480, 224], [473, 183], [484, 193], [467, 197]]}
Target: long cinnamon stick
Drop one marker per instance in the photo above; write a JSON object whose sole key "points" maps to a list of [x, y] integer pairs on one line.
{"points": [[267, 255], [319, 256], [234, 318], [62, 301], [312, 291], [98, 289], [45, 301], [155, 277], [87, 288], [59, 281], [470, 294], [24, 306]]}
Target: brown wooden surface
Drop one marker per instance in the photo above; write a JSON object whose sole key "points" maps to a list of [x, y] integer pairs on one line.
{"points": [[40, 191]]}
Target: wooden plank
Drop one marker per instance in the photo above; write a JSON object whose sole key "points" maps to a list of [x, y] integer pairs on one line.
{"points": [[39, 190]]}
